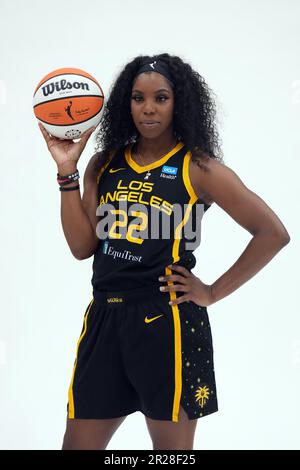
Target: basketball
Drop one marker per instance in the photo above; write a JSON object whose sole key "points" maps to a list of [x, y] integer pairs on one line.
{"points": [[67, 102]]}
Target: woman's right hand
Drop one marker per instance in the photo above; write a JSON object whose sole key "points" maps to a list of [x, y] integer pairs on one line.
{"points": [[65, 153]]}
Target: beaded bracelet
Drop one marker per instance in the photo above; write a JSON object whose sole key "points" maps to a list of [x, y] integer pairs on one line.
{"points": [[67, 179]]}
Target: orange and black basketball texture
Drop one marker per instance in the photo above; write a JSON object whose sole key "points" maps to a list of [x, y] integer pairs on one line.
{"points": [[68, 101]]}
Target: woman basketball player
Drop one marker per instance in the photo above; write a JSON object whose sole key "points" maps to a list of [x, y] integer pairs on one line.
{"points": [[146, 343]]}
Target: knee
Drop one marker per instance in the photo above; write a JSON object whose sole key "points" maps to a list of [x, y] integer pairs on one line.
{"points": [[163, 445], [71, 443], [68, 445]]}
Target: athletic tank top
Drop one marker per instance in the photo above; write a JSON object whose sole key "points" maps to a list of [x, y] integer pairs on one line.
{"points": [[150, 217]]}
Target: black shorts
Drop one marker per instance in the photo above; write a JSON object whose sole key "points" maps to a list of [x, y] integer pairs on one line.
{"points": [[138, 353]]}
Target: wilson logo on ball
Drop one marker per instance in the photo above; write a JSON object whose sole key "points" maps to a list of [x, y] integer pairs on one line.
{"points": [[63, 85]]}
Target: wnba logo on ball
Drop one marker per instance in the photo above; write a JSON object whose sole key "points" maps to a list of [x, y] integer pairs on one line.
{"points": [[63, 85]]}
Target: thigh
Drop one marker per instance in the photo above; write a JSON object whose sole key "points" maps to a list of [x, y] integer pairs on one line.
{"points": [[172, 435], [99, 379], [147, 344], [90, 434], [199, 393], [169, 358]]}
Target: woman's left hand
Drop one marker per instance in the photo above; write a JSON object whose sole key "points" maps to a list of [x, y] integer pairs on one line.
{"points": [[194, 289]]}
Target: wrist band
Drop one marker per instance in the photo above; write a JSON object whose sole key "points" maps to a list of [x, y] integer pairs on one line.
{"points": [[62, 188]]}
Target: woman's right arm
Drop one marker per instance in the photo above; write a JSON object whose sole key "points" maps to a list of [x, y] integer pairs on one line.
{"points": [[78, 216]]}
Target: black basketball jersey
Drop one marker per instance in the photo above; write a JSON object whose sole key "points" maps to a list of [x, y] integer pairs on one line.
{"points": [[150, 217]]}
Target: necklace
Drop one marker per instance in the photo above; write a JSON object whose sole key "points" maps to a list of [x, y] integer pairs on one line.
{"points": [[143, 163]]}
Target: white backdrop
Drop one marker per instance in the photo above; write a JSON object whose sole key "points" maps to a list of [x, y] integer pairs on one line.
{"points": [[248, 52]]}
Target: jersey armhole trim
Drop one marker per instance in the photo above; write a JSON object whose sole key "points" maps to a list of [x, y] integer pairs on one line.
{"points": [[186, 177], [105, 166], [187, 181]]}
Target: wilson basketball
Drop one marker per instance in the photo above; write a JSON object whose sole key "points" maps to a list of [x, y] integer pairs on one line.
{"points": [[67, 102]]}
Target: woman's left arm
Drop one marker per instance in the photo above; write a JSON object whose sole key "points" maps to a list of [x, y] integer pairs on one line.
{"points": [[251, 212], [223, 186]]}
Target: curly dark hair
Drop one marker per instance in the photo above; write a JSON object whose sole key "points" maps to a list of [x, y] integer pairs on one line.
{"points": [[194, 118]]}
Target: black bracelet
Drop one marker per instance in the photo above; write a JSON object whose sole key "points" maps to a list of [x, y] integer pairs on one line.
{"points": [[70, 175], [62, 188]]}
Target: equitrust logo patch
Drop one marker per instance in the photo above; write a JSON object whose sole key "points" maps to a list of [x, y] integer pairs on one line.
{"points": [[169, 172], [109, 250]]}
